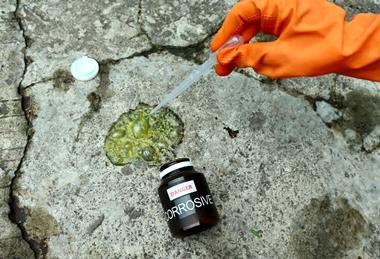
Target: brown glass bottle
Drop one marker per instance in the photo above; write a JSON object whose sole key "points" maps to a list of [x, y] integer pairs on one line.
{"points": [[186, 199]]}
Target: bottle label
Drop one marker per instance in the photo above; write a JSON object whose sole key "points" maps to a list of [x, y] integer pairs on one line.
{"points": [[181, 189], [188, 207]]}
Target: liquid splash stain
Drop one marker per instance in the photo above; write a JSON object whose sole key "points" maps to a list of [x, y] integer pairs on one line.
{"points": [[40, 226], [329, 228], [136, 135]]}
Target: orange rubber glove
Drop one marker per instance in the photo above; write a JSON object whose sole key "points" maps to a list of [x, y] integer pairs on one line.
{"points": [[313, 39]]}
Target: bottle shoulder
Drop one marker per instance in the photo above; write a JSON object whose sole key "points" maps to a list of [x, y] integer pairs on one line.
{"points": [[179, 177]]}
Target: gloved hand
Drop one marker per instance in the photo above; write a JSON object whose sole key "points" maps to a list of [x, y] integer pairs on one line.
{"points": [[313, 39]]}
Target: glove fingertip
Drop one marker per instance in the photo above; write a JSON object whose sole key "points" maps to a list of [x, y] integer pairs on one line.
{"points": [[214, 45], [220, 38], [223, 70], [226, 56]]}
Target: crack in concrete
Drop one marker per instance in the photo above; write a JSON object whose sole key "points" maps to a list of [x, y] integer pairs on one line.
{"points": [[183, 52], [293, 92], [192, 53], [277, 84], [140, 23], [45, 80], [267, 80], [17, 215]]}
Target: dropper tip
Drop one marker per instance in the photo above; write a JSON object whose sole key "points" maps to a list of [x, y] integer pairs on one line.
{"points": [[153, 111]]}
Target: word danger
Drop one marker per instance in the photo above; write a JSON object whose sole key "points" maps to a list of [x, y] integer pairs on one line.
{"points": [[181, 189], [187, 206]]}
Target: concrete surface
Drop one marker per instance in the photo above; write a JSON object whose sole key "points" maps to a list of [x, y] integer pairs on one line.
{"points": [[13, 134], [272, 164], [57, 32], [327, 113], [173, 23]]}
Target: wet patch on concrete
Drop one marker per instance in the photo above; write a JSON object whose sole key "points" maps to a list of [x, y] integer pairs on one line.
{"points": [[95, 101], [14, 248], [104, 69], [4, 110], [62, 79], [328, 229], [257, 120], [133, 213], [138, 136], [40, 226], [100, 95], [29, 106], [361, 114]]}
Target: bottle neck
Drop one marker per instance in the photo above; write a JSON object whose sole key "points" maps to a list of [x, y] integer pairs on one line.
{"points": [[175, 167], [178, 171]]}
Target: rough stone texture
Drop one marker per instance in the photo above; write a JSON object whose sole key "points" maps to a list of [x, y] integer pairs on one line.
{"points": [[314, 87], [372, 141], [359, 103], [12, 122], [356, 102], [58, 32], [327, 113], [12, 127], [344, 85], [266, 176], [182, 23], [271, 162], [353, 139], [334, 227], [11, 243], [354, 7]]}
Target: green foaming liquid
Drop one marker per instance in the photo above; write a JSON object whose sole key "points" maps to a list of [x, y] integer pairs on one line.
{"points": [[138, 135]]}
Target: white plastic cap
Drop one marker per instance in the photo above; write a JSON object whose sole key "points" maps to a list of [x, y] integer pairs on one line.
{"points": [[175, 167], [84, 68]]}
